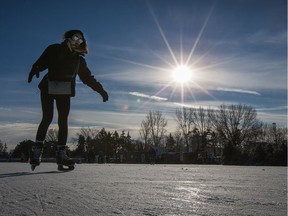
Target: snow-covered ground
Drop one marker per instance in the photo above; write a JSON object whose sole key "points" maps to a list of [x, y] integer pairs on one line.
{"points": [[118, 189]]}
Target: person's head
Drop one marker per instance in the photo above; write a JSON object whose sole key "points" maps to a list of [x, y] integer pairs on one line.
{"points": [[76, 40]]}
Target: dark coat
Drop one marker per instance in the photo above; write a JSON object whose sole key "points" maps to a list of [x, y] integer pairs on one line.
{"points": [[64, 65]]}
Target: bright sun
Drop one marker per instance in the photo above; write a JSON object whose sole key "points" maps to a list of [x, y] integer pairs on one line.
{"points": [[182, 74]]}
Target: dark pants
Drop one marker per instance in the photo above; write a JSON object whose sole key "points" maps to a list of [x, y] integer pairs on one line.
{"points": [[63, 108]]}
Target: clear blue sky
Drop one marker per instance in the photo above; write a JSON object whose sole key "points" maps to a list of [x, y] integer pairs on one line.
{"points": [[236, 49]]}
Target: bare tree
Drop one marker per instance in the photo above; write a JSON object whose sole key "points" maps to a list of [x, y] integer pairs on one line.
{"points": [[185, 121], [51, 141], [236, 123], [273, 134], [194, 122], [178, 141], [85, 139], [88, 133], [52, 136], [144, 132], [154, 127], [281, 135], [202, 120]]}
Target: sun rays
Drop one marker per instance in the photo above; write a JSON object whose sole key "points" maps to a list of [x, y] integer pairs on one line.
{"points": [[179, 75], [183, 74]]}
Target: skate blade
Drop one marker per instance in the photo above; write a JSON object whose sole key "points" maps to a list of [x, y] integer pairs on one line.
{"points": [[66, 169]]}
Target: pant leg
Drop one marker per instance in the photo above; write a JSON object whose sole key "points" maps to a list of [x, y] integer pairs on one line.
{"points": [[47, 103], [63, 108]]}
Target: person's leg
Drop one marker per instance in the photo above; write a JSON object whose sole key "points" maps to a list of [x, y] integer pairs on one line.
{"points": [[63, 108], [47, 103]]}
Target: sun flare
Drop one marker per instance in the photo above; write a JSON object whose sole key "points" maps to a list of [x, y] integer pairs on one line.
{"points": [[182, 74]]}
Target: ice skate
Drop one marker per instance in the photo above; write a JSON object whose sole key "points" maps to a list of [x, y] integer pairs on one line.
{"points": [[35, 156], [64, 162]]}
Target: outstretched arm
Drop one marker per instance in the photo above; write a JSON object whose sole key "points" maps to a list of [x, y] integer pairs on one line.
{"points": [[88, 79]]}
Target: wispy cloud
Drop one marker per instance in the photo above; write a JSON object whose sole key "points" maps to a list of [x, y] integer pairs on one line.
{"points": [[14, 133], [280, 119], [196, 106], [241, 91], [153, 97], [265, 37], [277, 108], [5, 109]]}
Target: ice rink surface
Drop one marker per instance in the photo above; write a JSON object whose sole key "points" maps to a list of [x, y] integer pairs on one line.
{"points": [[121, 189]]}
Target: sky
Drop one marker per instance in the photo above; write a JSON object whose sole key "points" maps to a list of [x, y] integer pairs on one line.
{"points": [[236, 52]]}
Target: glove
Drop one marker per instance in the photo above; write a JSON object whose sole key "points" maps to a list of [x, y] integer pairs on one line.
{"points": [[104, 95], [99, 88], [33, 72]]}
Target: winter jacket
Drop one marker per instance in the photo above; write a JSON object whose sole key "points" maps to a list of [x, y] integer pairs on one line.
{"points": [[64, 65]]}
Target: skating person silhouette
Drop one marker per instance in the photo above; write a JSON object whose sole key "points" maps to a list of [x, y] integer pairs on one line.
{"points": [[64, 62]]}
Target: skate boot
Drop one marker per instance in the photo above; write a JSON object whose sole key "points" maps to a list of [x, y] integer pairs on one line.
{"points": [[63, 161], [36, 154]]}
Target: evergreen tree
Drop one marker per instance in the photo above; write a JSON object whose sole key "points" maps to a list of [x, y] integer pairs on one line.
{"points": [[170, 144]]}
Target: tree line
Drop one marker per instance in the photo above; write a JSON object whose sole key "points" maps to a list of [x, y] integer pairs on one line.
{"points": [[229, 134], [3, 150]]}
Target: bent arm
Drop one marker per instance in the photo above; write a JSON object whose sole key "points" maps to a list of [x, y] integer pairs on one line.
{"points": [[42, 63]]}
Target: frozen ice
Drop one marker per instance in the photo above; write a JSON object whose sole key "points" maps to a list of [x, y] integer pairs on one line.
{"points": [[130, 189]]}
